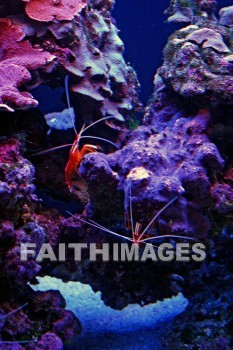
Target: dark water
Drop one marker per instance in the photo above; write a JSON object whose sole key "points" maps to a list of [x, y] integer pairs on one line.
{"points": [[145, 340]]}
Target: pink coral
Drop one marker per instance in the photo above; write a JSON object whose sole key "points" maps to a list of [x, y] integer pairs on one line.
{"points": [[47, 10], [9, 34], [17, 57], [12, 76], [18, 51], [28, 57]]}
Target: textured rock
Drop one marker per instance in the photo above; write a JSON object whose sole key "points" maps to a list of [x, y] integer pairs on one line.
{"points": [[209, 38], [197, 66], [223, 196], [203, 325], [207, 5], [189, 11], [49, 341], [160, 166], [16, 176], [226, 16], [20, 222], [41, 315]]}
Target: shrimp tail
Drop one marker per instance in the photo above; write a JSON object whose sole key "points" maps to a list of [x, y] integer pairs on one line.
{"points": [[70, 169]]}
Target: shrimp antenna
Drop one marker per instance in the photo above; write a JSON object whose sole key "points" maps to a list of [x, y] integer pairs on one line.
{"points": [[99, 138], [83, 129], [97, 121], [68, 102], [131, 208], [157, 215], [100, 227], [14, 311], [81, 137], [50, 150], [166, 236]]}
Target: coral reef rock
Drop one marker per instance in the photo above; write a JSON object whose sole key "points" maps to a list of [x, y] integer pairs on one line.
{"points": [[189, 11], [177, 161], [198, 62], [226, 16], [20, 222]]}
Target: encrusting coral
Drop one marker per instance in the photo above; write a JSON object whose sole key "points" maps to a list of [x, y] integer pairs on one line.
{"points": [[206, 37]]}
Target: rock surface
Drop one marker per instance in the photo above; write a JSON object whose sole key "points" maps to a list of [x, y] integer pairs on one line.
{"points": [[20, 223]]}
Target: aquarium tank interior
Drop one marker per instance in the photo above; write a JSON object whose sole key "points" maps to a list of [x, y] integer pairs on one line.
{"points": [[116, 174]]}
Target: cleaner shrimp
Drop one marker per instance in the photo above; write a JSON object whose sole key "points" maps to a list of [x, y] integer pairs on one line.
{"points": [[139, 236], [76, 154]]}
